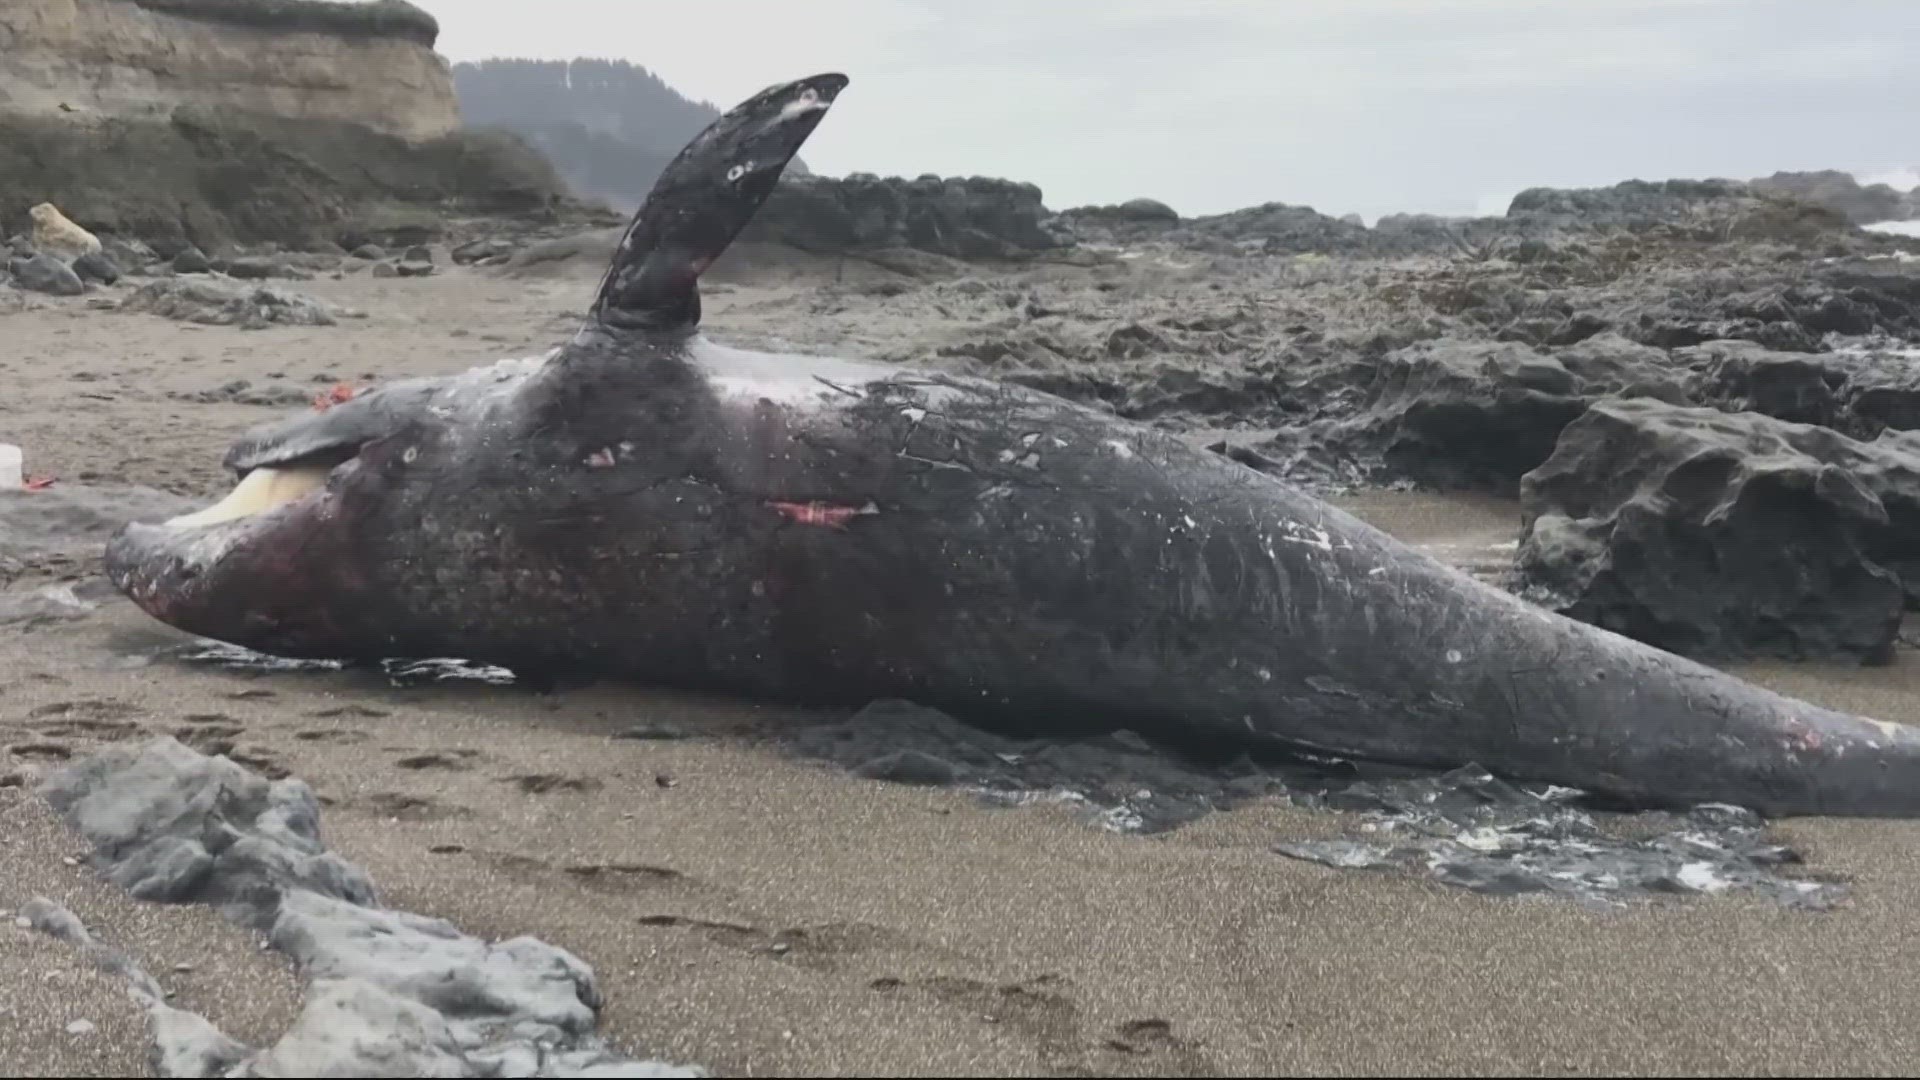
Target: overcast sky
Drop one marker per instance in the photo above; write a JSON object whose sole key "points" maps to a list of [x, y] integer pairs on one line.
{"points": [[1368, 106]]}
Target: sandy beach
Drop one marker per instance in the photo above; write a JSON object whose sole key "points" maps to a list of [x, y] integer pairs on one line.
{"points": [[758, 915]]}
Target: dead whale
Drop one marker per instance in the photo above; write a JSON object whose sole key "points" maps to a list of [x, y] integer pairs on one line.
{"points": [[642, 502]]}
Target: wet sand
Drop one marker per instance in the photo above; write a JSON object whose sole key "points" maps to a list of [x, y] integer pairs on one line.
{"points": [[761, 916]]}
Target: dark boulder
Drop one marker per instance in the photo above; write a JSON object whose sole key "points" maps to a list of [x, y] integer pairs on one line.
{"points": [[972, 218], [1458, 413], [97, 266], [1723, 535], [1741, 376], [191, 260]]}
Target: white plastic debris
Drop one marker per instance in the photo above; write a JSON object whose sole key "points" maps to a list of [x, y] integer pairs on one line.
{"points": [[12, 467]]}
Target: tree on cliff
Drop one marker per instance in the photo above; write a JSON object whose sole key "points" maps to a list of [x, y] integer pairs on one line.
{"points": [[608, 126]]}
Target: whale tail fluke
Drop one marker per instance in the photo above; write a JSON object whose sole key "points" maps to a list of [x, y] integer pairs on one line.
{"points": [[702, 201]]}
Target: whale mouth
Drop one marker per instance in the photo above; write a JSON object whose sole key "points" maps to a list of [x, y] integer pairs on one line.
{"points": [[261, 490]]}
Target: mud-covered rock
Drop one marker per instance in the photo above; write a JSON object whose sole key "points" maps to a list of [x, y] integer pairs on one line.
{"points": [[1721, 535]]}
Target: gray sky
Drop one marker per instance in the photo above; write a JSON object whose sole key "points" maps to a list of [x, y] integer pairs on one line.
{"points": [[1372, 106]]}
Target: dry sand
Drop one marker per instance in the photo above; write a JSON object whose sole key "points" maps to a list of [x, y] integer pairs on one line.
{"points": [[761, 916]]}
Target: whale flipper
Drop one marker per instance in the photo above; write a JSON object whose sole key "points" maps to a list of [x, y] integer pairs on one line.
{"points": [[701, 202]]}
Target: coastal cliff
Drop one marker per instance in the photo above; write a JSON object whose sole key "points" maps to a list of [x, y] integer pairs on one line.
{"points": [[144, 58], [209, 121]]}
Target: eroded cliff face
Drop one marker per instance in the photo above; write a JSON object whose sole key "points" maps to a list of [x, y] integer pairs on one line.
{"points": [[118, 59]]}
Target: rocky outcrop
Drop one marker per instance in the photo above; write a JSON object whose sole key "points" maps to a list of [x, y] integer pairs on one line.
{"points": [[1464, 414], [966, 218], [1721, 535], [1702, 210], [299, 59], [1839, 192], [207, 122]]}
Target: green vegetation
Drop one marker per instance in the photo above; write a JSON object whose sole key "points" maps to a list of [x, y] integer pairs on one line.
{"points": [[382, 18]]}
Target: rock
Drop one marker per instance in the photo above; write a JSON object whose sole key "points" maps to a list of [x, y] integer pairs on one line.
{"points": [[972, 218], [483, 252], [1457, 413], [53, 234], [419, 253], [1722, 535], [410, 268], [1282, 229], [97, 266], [385, 270], [254, 268], [387, 992], [192, 261], [130, 255], [1836, 191], [1697, 210], [1741, 376], [370, 252], [47, 274], [1882, 390], [224, 302]]}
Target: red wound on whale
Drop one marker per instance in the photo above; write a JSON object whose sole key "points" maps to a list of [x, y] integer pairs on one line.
{"points": [[339, 395], [822, 514]]}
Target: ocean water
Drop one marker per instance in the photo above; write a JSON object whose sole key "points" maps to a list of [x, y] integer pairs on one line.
{"points": [[1899, 228]]}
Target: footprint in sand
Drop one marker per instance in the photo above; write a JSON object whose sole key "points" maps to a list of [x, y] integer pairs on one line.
{"points": [[82, 728], [542, 783], [41, 751], [366, 711], [453, 761], [210, 739], [405, 807], [336, 736], [87, 709]]}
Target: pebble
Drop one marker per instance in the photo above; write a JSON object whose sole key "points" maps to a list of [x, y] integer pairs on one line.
{"points": [[23, 922], [80, 1027]]}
